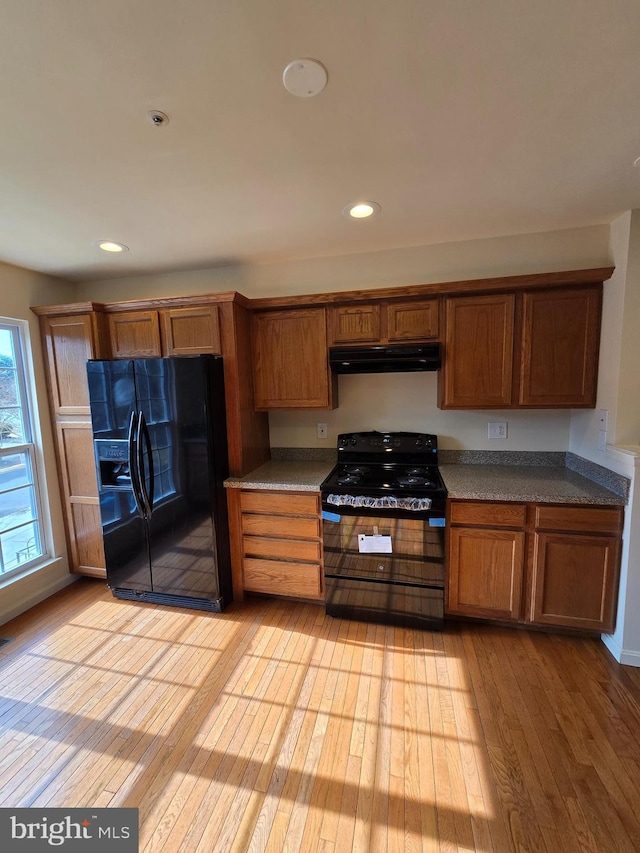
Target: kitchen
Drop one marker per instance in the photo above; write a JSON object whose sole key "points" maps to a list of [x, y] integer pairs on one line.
{"points": [[402, 403]]}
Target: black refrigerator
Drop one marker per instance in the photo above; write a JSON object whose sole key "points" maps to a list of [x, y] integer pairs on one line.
{"points": [[160, 444]]}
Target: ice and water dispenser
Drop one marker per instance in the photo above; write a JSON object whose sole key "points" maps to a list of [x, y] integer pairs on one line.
{"points": [[112, 463]]}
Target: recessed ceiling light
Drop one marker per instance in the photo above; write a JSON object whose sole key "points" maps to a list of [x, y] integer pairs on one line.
{"points": [[304, 78], [361, 209], [111, 246]]}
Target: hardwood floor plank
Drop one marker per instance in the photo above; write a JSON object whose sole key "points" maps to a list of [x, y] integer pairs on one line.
{"points": [[272, 727], [364, 807]]}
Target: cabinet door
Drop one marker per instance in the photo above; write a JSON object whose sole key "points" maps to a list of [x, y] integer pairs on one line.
{"points": [[69, 344], [135, 334], [412, 321], [80, 497], [355, 325], [486, 569], [191, 331], [575, 581], [478, 365], [561, 333], [291, 369]]}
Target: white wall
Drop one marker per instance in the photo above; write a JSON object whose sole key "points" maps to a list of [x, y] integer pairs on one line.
{"points": [[618, 394], [585, 425], [19, 290], [578, 248], [407, 401]]}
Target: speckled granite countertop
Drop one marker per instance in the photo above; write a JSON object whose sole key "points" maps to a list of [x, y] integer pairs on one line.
{"points": [[544, 483], [541, 483], [295, 476]]}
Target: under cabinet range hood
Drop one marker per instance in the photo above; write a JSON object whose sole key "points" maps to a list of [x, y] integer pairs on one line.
{"points": [[393, 358]]}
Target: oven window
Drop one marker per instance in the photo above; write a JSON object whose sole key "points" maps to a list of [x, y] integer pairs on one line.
{"points": [[416, 554]]}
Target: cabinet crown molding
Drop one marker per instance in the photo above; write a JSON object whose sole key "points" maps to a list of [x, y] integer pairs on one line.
{"points": [[567, 278]]}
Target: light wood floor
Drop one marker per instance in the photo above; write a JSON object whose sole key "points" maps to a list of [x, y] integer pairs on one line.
{"points": [[273, 727]]}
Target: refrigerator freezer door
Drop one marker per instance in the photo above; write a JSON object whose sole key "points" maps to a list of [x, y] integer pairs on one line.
{"points": [[126, 546]]}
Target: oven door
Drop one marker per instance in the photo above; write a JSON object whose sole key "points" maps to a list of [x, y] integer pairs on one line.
{"points": [[385, 567]]}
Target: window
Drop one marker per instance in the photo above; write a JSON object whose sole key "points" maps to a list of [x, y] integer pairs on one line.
{"points": [[22, 541]]}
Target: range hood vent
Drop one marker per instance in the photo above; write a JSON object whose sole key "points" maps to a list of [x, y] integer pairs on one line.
{"points": [[394, 358]]}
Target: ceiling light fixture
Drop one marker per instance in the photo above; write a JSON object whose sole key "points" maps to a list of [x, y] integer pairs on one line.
{"points": [[304, 78], [111, 246], [362, 210]]}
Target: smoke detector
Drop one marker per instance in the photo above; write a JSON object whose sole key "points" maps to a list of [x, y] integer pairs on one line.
{"points": [[304, 78]]}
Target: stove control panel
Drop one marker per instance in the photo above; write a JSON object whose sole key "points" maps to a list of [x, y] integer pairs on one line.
{"points": [[388, 442]]}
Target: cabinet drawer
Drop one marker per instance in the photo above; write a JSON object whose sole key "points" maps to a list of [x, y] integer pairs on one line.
{"points": [[280, 503], [285, 549], [492, 514], [580, 518], [297, 579], [280, 525]]}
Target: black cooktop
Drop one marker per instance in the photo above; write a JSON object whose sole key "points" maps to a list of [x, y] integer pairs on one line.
{"points": [[401, 463]]}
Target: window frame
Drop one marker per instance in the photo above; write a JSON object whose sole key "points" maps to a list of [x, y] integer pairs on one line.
{"points": [[31, 446]]}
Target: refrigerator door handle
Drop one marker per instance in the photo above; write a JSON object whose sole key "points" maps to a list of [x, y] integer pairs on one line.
{"points": [[133, 463], [147, 495]]}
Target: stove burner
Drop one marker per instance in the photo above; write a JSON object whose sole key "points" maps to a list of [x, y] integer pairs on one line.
{"points": [[413, 480], [416, 472], [347, 479], [357, 470]]}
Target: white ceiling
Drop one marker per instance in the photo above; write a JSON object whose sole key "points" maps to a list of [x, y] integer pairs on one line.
{"points": [[462, 119]]}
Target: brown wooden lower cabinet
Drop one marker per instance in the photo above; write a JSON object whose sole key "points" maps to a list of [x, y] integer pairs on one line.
{"points": [[276, 543], [541, 564], [485, 572]]}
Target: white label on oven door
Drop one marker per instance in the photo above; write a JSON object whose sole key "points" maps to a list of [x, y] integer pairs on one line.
{"points": [[375, 544]]}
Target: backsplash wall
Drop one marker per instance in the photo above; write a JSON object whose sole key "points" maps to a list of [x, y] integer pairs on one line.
{"points": [[408, 401]]}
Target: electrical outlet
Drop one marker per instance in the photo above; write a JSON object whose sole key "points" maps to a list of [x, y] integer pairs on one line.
{"points": [[497, 429], [602, 439], [603, 415], [321, 430]]}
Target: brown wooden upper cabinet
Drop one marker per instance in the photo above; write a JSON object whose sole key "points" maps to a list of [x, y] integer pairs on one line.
{"points": [[167, 332], [383, 322], [478, 367], [536, 349], [190, 331], [560, 344], [69, 342], [291, 367], [135, 334]]}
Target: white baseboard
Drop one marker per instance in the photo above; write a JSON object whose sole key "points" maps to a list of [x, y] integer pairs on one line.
{"points": [[29, 591], [624, 656], [630, 658]]}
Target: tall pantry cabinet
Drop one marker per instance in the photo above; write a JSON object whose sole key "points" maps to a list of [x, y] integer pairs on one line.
{"points": [[71, 336]]}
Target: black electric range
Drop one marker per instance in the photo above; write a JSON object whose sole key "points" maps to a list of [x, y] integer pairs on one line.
{"points": [[383, 529]]}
